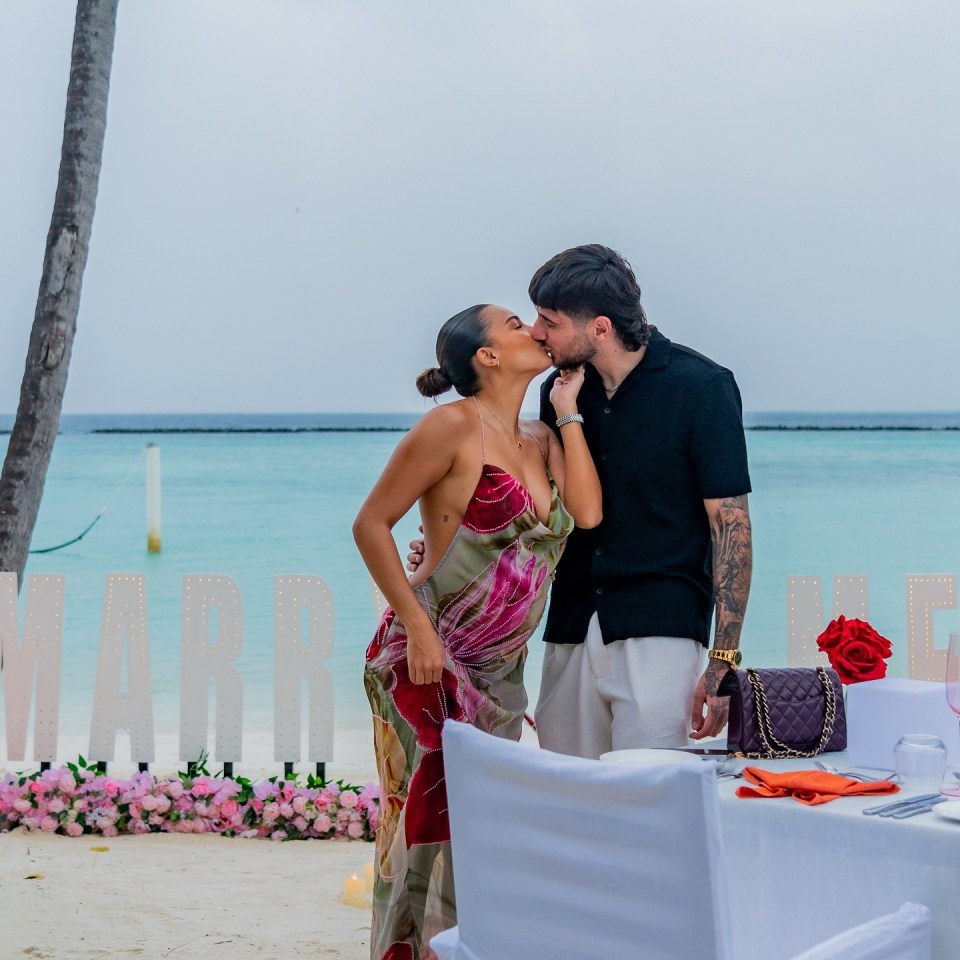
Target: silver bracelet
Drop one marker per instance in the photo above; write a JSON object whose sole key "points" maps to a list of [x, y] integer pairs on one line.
{"points": [[569, 418]]}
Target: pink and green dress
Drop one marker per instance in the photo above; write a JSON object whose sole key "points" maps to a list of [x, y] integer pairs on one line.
{"points": [[485, 598]]}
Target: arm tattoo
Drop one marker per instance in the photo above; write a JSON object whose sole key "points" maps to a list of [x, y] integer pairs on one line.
{"points": [[732, 569]]}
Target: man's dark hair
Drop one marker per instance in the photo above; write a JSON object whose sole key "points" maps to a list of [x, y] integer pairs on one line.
{"points": [[590, 281]]}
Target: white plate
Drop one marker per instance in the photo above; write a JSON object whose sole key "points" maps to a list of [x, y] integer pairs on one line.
{"points": [[949, 810], [652, 757]]}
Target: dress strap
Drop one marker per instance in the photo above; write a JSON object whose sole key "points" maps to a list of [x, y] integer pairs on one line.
{"points": [[536, 440], [483, 435]]}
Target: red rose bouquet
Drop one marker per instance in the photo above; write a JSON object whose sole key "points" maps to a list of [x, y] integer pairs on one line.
{"points": [[855, 650]]}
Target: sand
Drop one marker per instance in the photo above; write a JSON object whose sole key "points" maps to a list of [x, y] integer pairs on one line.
{"points": [[180, 896], [187, 897], [184, 896]]}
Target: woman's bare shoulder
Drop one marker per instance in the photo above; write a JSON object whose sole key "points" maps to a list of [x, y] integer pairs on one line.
{"points": [[455, 414], [445, 423]]}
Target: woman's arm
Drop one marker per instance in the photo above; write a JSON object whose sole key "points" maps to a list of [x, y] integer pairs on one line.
{"points": [[570, 462], [422, 458]]}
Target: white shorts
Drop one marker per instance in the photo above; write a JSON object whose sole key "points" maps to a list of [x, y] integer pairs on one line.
{"points": [[596, 697]]}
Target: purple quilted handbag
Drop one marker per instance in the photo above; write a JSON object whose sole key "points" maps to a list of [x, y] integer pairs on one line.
{"points": [[788, 712]]}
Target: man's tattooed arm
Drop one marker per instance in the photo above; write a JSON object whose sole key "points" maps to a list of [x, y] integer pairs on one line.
{"points": [[732, 568]]}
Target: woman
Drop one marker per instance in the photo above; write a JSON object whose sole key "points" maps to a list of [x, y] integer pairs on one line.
{"points": [[494, 496]]}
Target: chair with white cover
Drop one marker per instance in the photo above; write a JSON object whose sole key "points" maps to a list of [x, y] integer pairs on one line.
{"points": [[560, 858], [904, 935]]}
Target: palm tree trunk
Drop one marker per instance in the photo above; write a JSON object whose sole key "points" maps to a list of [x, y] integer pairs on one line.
{"points": [[55, 319]]}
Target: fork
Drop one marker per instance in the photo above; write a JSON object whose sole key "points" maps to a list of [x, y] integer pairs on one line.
{"points": [[830, 768], [727, 767]]}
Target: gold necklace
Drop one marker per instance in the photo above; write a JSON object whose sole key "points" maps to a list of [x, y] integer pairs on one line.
{"points": [[516, 435]]}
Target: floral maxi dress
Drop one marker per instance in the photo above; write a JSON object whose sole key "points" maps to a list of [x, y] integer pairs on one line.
{"points": [[485, 598]]}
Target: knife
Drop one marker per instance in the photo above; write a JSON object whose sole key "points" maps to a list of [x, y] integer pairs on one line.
{"points": [[887, 808], [917, 808]]}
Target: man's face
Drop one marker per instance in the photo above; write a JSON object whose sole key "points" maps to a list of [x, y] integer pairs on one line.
{"points": [[568, 342]]}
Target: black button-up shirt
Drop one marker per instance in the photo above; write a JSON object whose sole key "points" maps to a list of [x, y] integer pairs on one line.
{"points": [[668, 439]]}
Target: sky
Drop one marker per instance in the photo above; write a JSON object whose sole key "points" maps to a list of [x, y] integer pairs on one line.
{"points": [[296, 194]]}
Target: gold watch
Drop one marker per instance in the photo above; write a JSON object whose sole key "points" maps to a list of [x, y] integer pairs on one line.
{"points": [[733, 658]]}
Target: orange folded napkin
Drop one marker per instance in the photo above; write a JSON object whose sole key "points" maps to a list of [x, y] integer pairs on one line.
{"points": [[809, 786]]}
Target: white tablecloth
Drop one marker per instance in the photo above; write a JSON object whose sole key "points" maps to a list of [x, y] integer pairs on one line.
{"points": [[800, 874]]}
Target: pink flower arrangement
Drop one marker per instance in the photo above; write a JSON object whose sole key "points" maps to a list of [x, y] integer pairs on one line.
{"points": [[75, 800]]}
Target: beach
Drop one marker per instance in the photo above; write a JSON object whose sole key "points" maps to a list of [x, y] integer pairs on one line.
{"points": [[252, 506], [186, 896]]}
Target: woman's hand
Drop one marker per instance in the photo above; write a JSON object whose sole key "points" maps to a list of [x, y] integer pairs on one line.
{"points": [[564, 392], [426, 655]]}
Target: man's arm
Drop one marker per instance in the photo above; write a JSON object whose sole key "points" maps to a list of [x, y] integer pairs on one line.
{"points": [[732, 569]]}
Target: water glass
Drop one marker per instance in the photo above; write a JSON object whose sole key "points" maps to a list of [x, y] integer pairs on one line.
{"points": [[921, 760], [951, 781]]}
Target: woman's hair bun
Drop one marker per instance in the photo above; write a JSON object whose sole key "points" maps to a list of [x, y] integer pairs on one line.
{"points": [[433, 381]]}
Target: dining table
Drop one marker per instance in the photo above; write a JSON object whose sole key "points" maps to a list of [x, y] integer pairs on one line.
{"points": [[798, 874]]}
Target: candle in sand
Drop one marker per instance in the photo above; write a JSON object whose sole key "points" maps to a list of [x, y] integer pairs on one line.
{"points": [[368, 876], [354, 894]]}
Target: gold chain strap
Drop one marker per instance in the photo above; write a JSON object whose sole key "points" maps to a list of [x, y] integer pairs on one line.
{"points": [[774, 748]]}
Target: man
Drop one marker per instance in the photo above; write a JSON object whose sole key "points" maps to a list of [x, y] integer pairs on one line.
{"points": [[631, 605]]}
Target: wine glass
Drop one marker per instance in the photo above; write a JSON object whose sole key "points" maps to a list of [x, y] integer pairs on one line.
{"points": [[951, 783]]}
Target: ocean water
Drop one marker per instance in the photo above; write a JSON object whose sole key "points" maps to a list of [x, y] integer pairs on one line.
{"points": [[253, 497]]}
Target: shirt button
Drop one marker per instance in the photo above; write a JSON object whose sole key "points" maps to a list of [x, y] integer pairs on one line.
{"points": [[599, 590], [606, 409], [603, 456], [598, 551]]}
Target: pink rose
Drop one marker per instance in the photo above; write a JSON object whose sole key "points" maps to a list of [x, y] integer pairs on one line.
{"points": [[348, 799], [278, 835], [74, 830], [67, 785], [270, 812], [22, 806], [322, 823], [229, 809], [201, 788], [150, 803], [111, 788], [300, 824], [355, 829], [299, 804], [163, 804], [110, 831], [286, 811], [175, 789], [48, 824]]}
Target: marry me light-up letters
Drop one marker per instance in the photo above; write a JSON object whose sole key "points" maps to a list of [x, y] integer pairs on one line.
{"points": [[303, 641], [212, 641], [851, 598]]}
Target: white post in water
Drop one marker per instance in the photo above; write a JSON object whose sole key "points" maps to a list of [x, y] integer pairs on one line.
{"points": [[153, 498]]}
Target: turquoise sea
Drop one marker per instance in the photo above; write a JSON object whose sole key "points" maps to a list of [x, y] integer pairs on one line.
{"points": [[257, 496]]}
